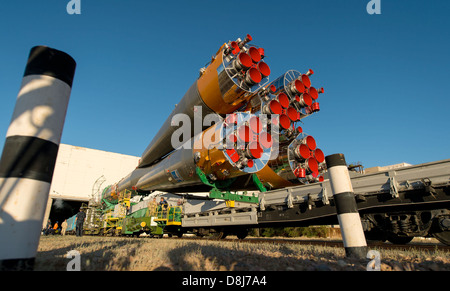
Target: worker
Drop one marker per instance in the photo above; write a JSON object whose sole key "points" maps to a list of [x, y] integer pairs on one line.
{"points": [[64, 227], [162, 208], [48, 228], [55, 228], [163, 202], [81, 216]]}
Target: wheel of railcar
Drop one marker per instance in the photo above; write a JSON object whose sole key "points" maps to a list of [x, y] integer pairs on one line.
{"points": [[443, 237], [242, 233], [399, 240], [219, 235], [441, 230]]}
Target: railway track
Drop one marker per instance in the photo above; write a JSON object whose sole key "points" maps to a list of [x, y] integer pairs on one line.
{"points": [[331, 243]]}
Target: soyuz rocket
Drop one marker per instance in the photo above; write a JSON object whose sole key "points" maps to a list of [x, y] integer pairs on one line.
{"points": [[254, 132]]}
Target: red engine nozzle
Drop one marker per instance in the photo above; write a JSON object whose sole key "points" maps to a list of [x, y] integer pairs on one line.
{"points": [[273, 107], [283, 99], [313, 93], [306, 81], [285, 122], [242, 62], [312, 165], [265, 140], [254, 54], [296, 87], [254, 150], [315, 107], [304, 100], [255, 124], [245, 134], [310, 142], [302, 152], [299, 172], [319, 155], [253, 76], [264, 69], [292, 114]]}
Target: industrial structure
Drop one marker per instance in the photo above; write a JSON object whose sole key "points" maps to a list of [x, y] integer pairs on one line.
{"points": [[81, 173]]}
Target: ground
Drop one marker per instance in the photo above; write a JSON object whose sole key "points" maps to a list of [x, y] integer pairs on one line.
{"points": [[118, 253]]}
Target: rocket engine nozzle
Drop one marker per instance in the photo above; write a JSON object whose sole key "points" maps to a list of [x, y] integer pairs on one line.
{"points": [[254, 54], [285, 122], [242, 62], [310, 142], [245, 134], [306, 81], [313, 93], [264, 69], [292, 114], [252, 77], [302, 152], [233, 154], [273, 107], [265, 140], [304, 100], [283, 99], [248, 38], [319, 155], [299, 172], [231, 119], [254, 150], [235, 47], [296, 87], [255, 124], [312, 165], [315, 107]]}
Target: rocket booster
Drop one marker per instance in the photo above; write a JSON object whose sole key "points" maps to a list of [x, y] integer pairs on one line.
{"points": [[233, 147], [296, 159], [256, 130], [234, 75]]}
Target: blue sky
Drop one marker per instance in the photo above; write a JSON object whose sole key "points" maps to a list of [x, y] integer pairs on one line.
{"points": [[386, 77]]}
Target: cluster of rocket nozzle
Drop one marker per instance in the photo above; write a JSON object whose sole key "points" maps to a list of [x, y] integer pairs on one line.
{"points": [[309, 160], [292, 97], [259, 130], [247, 142], [293, 101], [245, 62]]}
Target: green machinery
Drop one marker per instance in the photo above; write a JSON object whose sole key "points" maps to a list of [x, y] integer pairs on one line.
{"points": [[115, 219]]}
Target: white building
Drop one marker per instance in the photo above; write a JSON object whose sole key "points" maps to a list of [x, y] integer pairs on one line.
{"points": [[81, 173]]}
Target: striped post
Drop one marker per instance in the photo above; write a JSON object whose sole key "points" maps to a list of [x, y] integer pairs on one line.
{"points": [[347, 211], [29, 154]]}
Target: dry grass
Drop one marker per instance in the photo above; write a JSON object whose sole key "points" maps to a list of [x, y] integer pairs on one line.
{"points": [[109, 253]]}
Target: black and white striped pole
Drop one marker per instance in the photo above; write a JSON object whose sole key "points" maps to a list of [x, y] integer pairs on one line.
{"points": [[29, 154], [347, 212]]}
